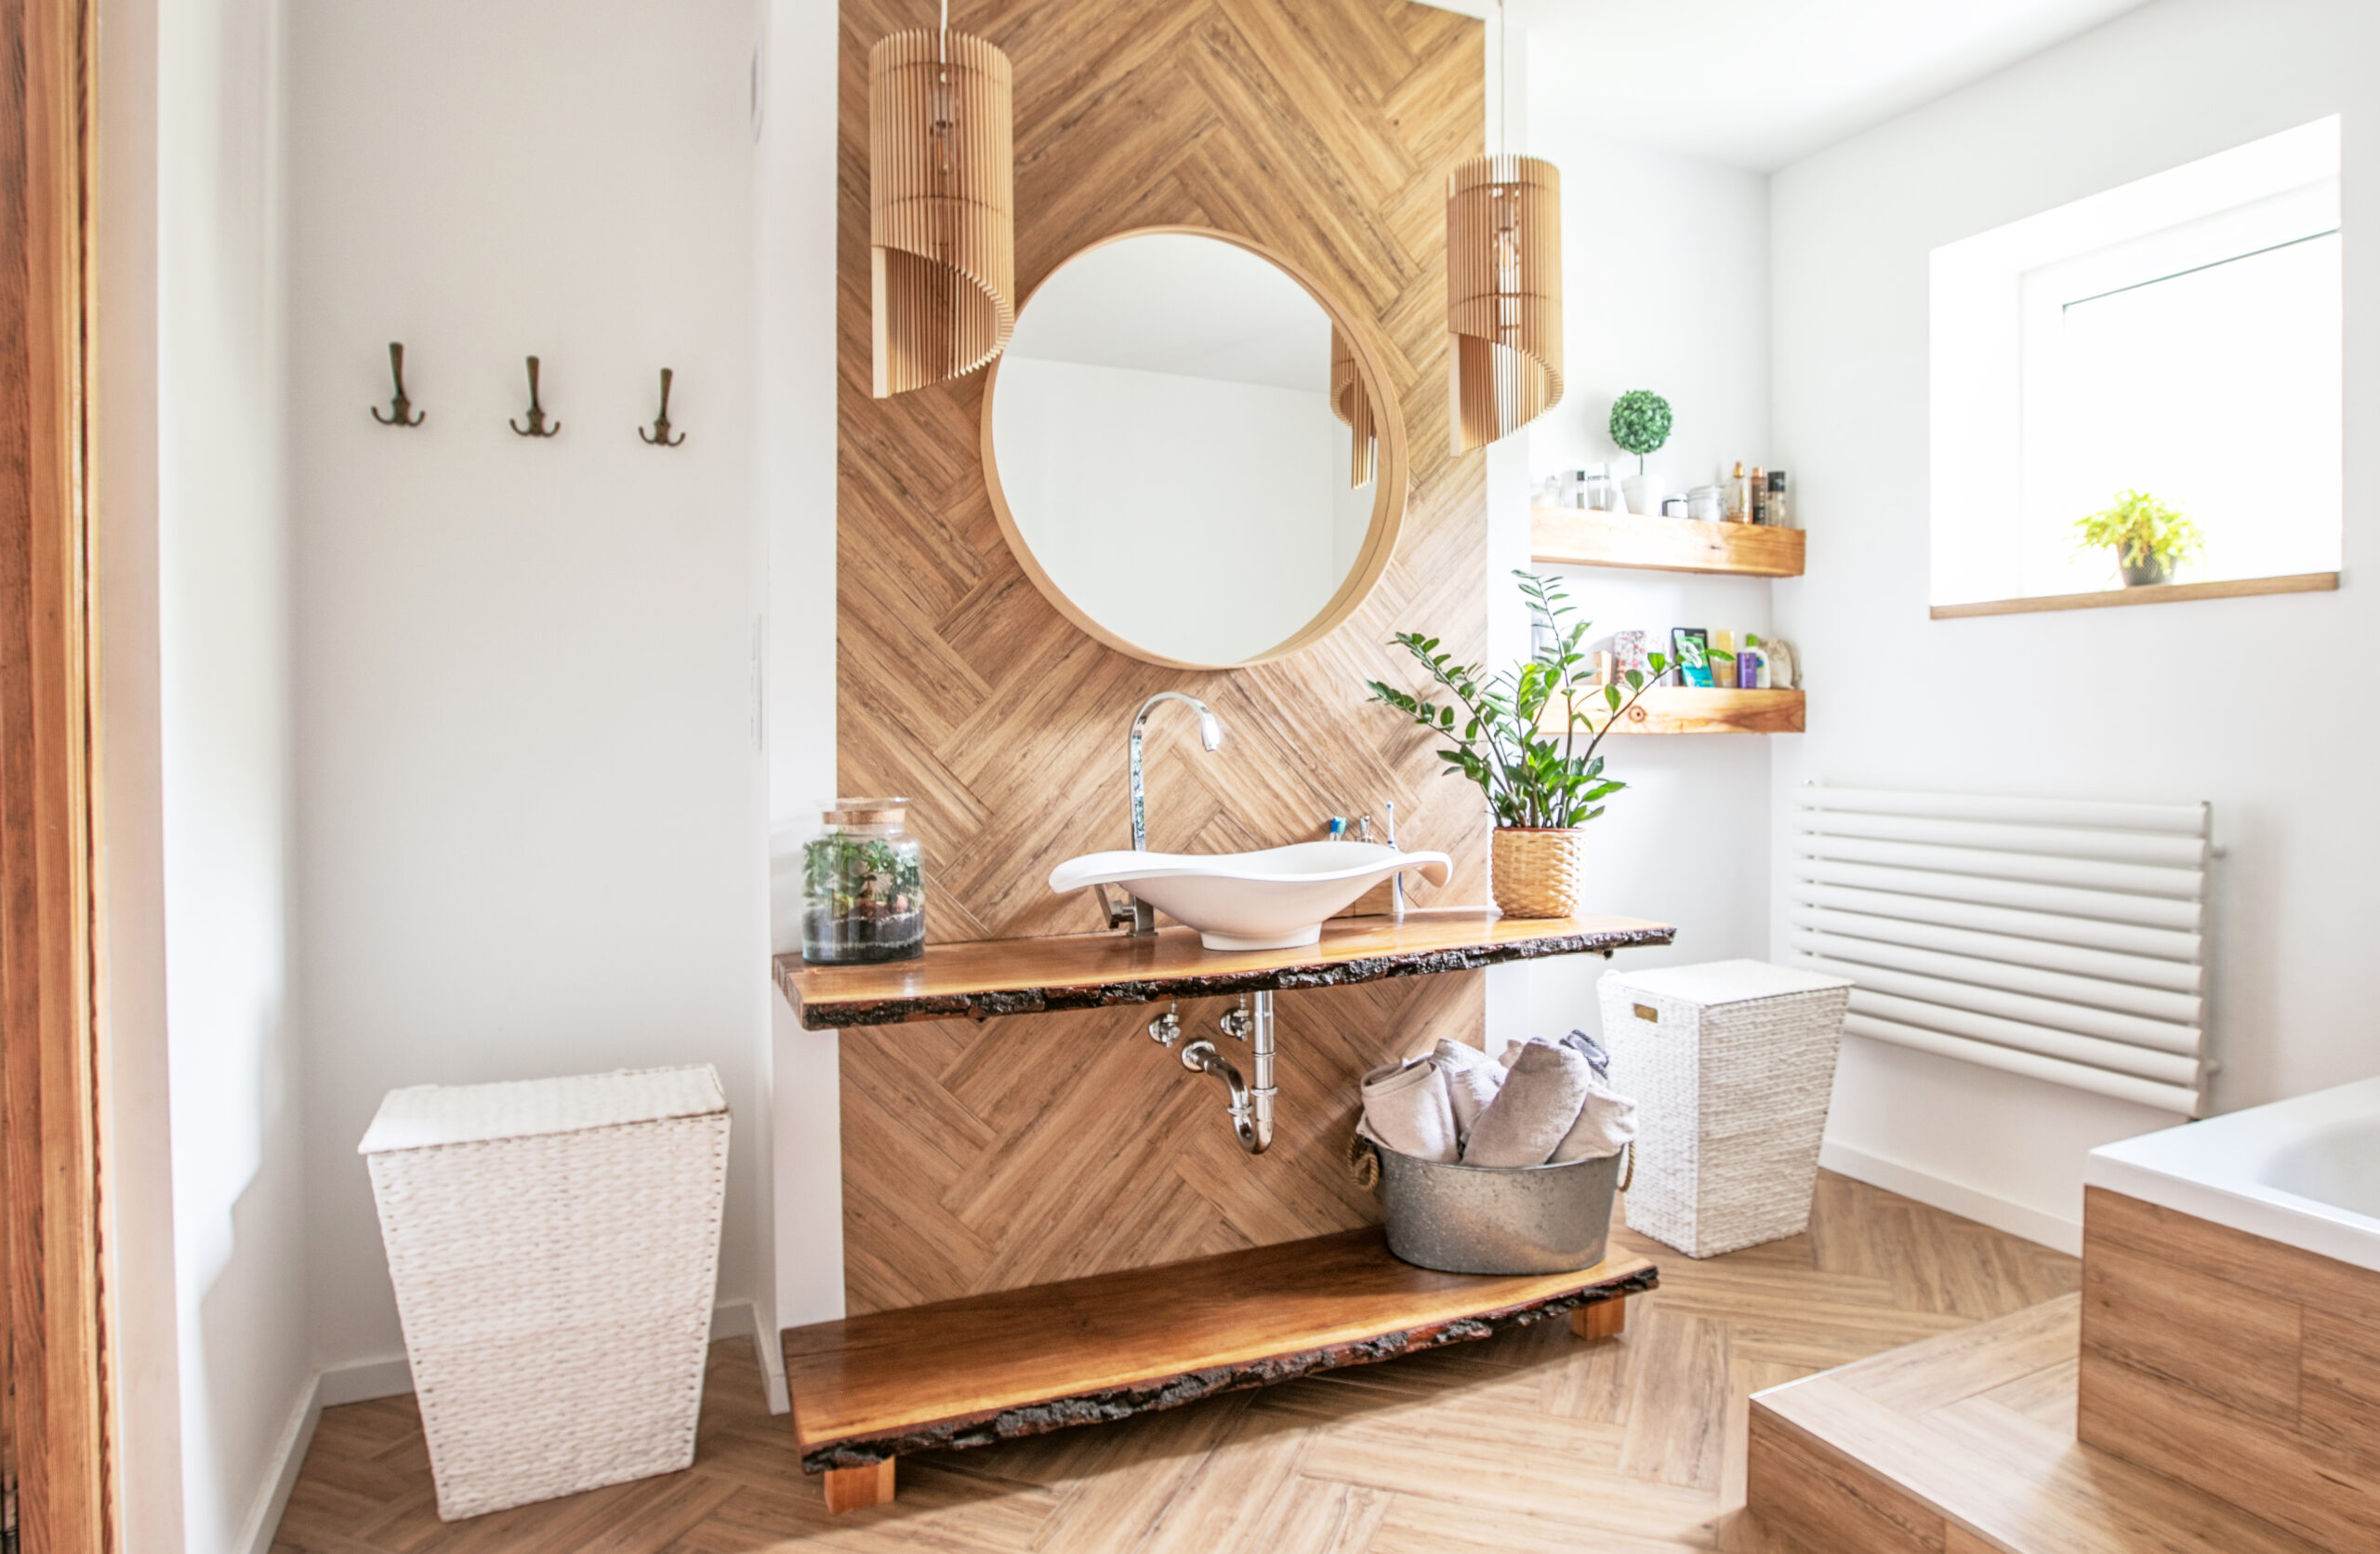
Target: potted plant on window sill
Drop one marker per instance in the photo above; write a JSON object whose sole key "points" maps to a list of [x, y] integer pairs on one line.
{"points": [[2149, 538], [1540, 786]]}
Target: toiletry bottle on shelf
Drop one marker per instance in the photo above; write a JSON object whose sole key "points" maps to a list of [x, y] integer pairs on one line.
{"points": [[1781, 510], [1751, 665], [1691, 645], [1759, 495], [1739, 496]]}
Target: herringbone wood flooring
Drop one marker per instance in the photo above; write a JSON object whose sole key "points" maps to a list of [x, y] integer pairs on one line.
{"points": [[1043, 1147], [1529, 1441]]}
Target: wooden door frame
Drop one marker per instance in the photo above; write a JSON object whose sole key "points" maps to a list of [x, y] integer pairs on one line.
{"points": [[56, 1413]]}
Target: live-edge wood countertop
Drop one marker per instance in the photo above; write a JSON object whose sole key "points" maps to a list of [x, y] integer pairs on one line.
{"points": [[979, 979]]}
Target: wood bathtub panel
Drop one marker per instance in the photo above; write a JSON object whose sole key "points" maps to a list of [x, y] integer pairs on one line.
{"points": [[2153, 1315], [1047, 1146], [2191, 1334], [2342, 1387]]}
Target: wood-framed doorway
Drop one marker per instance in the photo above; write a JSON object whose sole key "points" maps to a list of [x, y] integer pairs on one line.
{"points": [[56, 1425]]}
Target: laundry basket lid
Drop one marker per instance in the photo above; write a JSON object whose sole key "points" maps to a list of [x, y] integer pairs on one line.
{"points": [[424, 1116], [1724, 981]]}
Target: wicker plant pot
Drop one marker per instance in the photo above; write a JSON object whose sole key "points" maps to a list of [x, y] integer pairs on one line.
{"points": [[1539, 871]]}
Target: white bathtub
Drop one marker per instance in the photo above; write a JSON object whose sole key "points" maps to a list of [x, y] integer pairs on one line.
{"points": [[2303, 1172]]}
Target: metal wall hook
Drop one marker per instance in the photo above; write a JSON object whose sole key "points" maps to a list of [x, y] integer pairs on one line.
{"points": [[536, 427], [400, 408], [659, 436]]}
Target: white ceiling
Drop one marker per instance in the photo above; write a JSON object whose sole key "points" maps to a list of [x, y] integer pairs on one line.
{"points": [[1761, 82]]}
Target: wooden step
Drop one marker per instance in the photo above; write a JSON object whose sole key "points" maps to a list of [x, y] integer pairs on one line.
{"points": [[1966, 1444], [1017, 1363]]}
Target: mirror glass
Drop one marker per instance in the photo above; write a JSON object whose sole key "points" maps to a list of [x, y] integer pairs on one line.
{"points": [[1171, 459]]}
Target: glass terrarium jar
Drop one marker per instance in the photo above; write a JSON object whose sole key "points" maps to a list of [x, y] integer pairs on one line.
{"points": [[863, 888]]}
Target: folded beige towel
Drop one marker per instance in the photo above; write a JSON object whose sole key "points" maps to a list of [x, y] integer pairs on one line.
{"points": [[1473, 1078], [1407, 1109], [1532, 1114], [1607, 1120]]}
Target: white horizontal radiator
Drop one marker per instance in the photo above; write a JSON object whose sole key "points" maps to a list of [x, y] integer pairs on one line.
{"points": [[2060, 939]]}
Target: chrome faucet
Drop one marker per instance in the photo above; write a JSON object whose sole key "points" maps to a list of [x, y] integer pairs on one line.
{"points": [[1210, 734]]}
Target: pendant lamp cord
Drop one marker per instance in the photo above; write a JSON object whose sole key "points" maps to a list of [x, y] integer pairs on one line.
{"points": [[1503, 78]]}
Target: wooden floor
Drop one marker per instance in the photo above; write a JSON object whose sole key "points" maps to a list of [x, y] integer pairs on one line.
{"points": [[1529, 1441]]}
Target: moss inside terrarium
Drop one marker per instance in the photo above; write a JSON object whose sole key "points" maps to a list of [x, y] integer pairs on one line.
{"points": [[863, 900]]}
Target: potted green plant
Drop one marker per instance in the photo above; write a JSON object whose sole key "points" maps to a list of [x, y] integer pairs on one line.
{"points": [[1640, 424], [1518, 734], [2149, 538]]}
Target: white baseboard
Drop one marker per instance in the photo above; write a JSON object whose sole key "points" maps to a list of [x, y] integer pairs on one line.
{"points": [[1958, 1198], [363, 1380], [741, 1319]]}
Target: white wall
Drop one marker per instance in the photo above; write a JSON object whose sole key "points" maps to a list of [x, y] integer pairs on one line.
{"points": [[2222, 700], [143, 1304], [239, 1173], [795, 474], [1665, 286], [529, 781]]}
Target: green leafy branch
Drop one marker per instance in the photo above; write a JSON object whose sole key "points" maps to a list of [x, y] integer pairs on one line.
{"points": [[1498, 727]]}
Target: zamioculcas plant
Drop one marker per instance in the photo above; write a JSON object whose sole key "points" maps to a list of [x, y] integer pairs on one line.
{"points": [[1529, 737]]}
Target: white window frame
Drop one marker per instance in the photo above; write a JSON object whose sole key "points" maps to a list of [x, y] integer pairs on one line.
{"points": [[1995, 303]]}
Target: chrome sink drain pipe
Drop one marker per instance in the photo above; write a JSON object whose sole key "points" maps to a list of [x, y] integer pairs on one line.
{"points": [[1251, 1104]]}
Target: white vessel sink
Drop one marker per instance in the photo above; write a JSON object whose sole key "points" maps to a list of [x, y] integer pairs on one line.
{"points": [[1275, 899]]}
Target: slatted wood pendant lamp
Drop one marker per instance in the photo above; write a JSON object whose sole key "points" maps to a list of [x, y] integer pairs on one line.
{"points": [[1351, 403], [1504, 288], [942, 206]]}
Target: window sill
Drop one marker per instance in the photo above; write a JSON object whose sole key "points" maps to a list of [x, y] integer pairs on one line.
{"points": [[2156, 594]]}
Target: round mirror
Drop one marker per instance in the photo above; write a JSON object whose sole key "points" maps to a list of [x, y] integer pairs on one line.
{"points": [[1189, 453]]}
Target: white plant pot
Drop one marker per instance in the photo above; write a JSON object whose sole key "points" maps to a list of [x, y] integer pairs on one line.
{"points": [[1644, 494]]}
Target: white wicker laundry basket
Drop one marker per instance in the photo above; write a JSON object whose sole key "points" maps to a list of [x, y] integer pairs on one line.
{"points": [[1732, 1065], [555, 1247]]}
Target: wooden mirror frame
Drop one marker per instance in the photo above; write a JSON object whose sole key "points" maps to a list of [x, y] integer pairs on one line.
{"points": [[1389, 476]]}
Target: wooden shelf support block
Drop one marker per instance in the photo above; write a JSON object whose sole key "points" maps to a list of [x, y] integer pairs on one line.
{"points": [[1605, 1319], [856, 1489]]}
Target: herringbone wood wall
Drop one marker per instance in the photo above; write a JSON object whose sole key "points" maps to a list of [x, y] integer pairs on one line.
{"points": [[1026, 1149]]}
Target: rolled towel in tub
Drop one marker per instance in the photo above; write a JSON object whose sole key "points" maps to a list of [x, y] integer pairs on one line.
{"points": [[1606, 1122], [1406, 1108], [1533, 1113], [1473, 1078]]}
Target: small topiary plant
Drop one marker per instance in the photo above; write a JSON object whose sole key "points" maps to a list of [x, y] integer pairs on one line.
{"points": [[1640, 423], [2149, 538]]}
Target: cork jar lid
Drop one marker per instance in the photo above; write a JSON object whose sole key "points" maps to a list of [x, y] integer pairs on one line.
{"points": [[867, 812]]}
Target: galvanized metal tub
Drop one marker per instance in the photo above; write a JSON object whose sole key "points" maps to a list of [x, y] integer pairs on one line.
{"points": [[1498, 1218]]}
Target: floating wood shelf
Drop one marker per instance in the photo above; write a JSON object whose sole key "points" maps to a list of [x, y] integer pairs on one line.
{"points": [[1685, 710], [1572, 537], [992, 1367], [986, 978]]}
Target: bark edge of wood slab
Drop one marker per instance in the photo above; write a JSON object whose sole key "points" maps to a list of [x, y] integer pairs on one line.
{"points": [[980, 979], [815, 1365]]}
